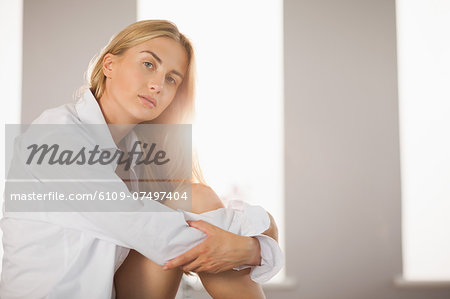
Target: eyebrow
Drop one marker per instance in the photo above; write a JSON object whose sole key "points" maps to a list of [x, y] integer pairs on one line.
{"points": [[160, 62]]}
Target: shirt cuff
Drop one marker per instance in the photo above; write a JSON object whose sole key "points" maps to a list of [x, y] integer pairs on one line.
{"points": [[250, 221], [272, 260]]}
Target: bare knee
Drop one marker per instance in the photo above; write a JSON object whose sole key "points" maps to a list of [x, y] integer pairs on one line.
{"points": [[228, 284], [204, 199]]}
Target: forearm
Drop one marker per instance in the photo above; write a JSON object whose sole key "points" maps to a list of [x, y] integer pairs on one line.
{"points": [[252, 244]]}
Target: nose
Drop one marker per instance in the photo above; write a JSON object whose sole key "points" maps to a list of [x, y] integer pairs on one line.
{"points": [[156, 83]]}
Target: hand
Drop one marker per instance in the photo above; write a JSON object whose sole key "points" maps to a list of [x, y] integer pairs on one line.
{"points": [[220, 251]]}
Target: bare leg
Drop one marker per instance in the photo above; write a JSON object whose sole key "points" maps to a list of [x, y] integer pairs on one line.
{"points": [[139, 278], [231, 285]]}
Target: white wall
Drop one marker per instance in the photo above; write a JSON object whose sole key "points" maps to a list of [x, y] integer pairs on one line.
{"points": [[342, 169]]}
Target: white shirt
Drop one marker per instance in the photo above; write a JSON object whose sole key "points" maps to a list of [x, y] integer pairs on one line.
{"points": [[75, 254]]}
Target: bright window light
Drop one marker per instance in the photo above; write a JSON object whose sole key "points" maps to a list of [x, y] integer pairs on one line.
{"points": [[10, 76], [239, 127], [423, 28]]}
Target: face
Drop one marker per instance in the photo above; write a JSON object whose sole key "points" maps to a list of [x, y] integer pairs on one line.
{"points": [[143, 81]]}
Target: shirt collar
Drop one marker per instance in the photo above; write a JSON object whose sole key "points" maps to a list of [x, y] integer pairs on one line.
{"points": [[130, 140], [89, 113]]}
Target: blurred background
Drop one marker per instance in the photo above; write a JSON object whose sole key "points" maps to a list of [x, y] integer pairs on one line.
{"points": [[331, 114]]}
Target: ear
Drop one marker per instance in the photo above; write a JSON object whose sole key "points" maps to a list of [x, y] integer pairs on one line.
{"points": [[107, 68]]}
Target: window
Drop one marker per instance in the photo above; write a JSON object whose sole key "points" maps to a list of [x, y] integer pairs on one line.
{"points": [[10, 75], [239, 129], [423, 27]]}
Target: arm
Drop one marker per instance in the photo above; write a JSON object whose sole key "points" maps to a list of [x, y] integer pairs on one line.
{"points": [[155, 230], [254, 255], [222, 250], [204, 199]]}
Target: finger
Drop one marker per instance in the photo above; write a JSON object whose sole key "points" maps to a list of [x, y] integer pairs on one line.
{"points": [[193, 266], [223, 269], [205, 227], [206, 268], [185, 258]]}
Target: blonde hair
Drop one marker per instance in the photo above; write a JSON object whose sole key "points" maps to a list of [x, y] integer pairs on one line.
{"points": [[182, 108]]}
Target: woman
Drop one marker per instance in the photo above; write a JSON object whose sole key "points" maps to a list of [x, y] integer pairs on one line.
{"points": [[144, 75]]}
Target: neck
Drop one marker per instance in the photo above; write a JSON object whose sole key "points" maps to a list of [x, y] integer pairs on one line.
{"points": [[118, 123]]}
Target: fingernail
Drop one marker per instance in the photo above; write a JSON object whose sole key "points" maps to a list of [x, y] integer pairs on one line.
{"points": [[165, 267]]}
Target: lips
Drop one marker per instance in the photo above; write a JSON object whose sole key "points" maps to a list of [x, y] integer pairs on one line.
{"points": [[148, 100]]}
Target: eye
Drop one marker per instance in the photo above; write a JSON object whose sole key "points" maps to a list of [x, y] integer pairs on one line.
{"points": [[149, 64], [171, 80]]}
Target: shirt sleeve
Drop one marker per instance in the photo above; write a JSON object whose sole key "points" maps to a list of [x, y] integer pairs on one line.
{"points": [[256, 222], [272, 258]]}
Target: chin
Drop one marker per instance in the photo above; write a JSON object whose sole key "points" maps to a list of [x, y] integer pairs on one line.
{"points": [[142, 113], [144, 118]]}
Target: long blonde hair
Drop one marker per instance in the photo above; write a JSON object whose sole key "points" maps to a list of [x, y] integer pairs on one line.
{"points": [[182, 109]]}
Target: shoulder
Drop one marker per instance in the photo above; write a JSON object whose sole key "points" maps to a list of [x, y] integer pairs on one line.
{"points": [[59, 126], [64, 114], [54, 126]]}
